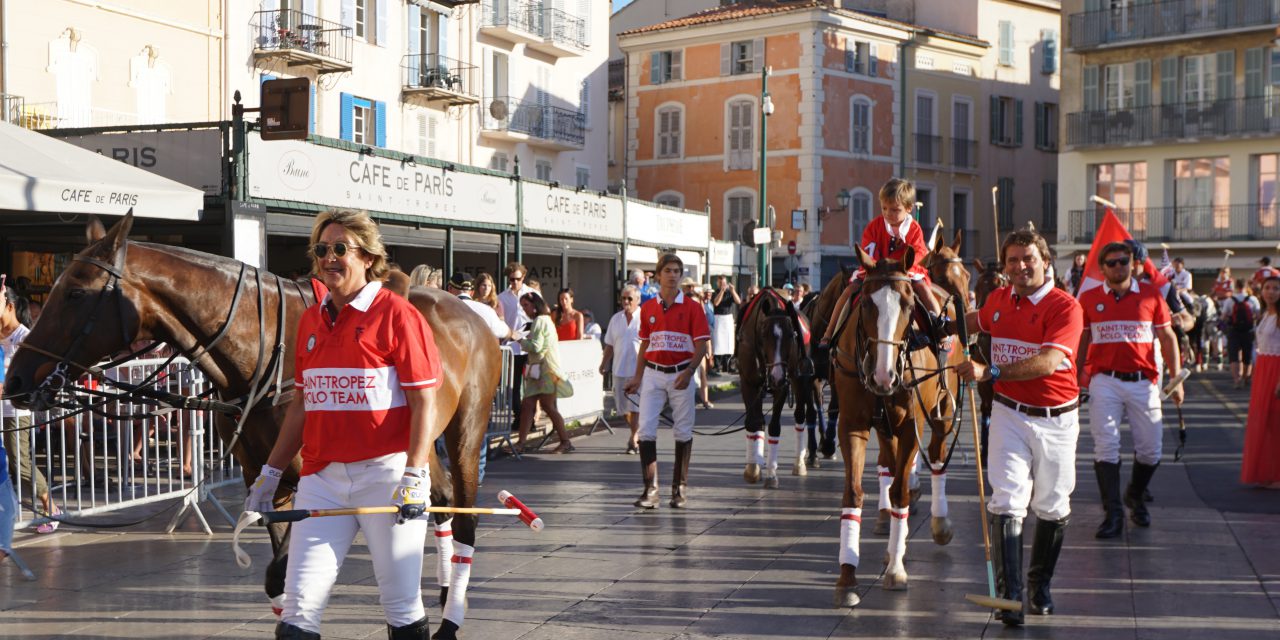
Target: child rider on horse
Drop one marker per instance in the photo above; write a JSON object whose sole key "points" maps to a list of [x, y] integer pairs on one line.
{"points": [[887, 237]]}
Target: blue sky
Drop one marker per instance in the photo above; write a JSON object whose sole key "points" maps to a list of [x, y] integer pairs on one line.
{"points": [[618, 4]]}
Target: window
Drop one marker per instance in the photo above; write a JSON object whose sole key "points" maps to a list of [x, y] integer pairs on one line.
{"points": [[1125, 184], [498, 75], [928, 147], [859, 57], [741, 134], [964, 149], [1268, 181], [1046, 126], [582, 177], [1127, 85], [1049, 206], [1202, 191], [859, 214], [960, 220], [1198, 78], [1004, 203], [542, 170], [1049, 51], [670, 199], [363, 121], [666, 66], [1006, 43], [669, 122], [426, 142], [1006, 121], [861, 125], [362, 17], [498, 162], [741, 210], [743, 57], [584, 102]]}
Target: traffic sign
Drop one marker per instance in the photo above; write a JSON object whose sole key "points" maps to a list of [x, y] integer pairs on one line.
{"points": [[791, 247]]}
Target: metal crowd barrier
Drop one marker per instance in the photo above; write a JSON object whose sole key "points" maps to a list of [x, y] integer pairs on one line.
{"points": [[503, 416], [94, 465]]}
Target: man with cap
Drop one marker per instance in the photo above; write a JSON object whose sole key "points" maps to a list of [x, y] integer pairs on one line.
{"points": [[1265, 270], [461, 285]]}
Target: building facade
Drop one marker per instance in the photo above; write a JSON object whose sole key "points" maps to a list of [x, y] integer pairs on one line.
{"points": [[1172, 111]]}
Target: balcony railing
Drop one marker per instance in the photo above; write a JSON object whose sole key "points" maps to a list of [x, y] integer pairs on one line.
{"points": [[13, 106], [556, 125], [509, 14], [541, 26], [1135, 22], [1184, 224], [440, 78], [928, 150], [565, 30], [1235, 117], [964, 154], [48, 115], [302, 39]]}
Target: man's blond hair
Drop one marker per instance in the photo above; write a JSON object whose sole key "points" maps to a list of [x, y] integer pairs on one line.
{"points": [[899, 191]]}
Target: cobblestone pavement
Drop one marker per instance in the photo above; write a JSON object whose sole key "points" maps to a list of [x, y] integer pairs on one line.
{"points": [[741, 562]]}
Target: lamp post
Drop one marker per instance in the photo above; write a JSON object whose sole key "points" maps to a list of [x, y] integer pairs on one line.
{"points": [[766, 110]]}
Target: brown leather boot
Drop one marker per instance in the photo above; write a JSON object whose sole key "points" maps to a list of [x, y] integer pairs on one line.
{"points": [[684, 451], [649, 467]]}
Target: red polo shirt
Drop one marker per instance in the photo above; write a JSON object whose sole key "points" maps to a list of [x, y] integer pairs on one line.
{"points": [[1122, 331], [1020, 327], [353, 372], [671, 332], [882, 241]]}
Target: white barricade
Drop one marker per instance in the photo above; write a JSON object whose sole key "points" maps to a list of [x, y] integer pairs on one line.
{"points": [[93, 464], [580, 360]]}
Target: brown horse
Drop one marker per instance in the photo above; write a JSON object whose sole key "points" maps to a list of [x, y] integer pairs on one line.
{"points": [[773, 358], [117, 291], [819, 308], [875, 370], [989, 279]]}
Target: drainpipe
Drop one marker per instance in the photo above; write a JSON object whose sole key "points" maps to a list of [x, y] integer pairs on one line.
{"points": [[902, 120], [4, 54]]}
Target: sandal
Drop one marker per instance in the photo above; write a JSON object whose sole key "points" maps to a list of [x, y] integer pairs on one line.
{"points": [[52, 525], [565, 447], [632, 449]]}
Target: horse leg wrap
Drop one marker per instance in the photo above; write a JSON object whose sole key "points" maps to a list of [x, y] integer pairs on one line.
{"points": [[802, 442], [850, 535], [897, 536], [938, 495], [886, 481], [772, 465], [455, 608], [444, 553], [755, 447], [914, 481]]}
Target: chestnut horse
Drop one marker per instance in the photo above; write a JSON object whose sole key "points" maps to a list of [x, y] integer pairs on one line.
{"points": [[819, 308], [118, 291], [873, 369], [773, 357]]}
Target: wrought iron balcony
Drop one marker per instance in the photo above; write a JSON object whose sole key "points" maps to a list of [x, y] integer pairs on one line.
{"points": [[1184, 224], [301, 40], [1137, 22], [964, 154], [562, 34], [538, 124], [927, 150], [541, 26], [439, 78], [14, 108], [1184, 120]]}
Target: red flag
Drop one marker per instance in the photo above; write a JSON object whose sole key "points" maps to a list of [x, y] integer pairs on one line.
{"points": [[1111, 230]]}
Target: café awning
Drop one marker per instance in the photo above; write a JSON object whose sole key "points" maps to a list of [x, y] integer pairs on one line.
{"points": [[40, 174]]}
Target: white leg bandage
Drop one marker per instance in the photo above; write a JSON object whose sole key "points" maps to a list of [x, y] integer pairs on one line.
{"points": [[897, 536], [914, 482], [802, 442], [455, 608], [772, 465], [444, 552], [938, 496], [850, 535], [886, 481], [755, 447]]}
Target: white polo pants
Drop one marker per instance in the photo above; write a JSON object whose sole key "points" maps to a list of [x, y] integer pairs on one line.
{"points": [[1111, 401], [1033, 463], [656, 390], [317, 546]]}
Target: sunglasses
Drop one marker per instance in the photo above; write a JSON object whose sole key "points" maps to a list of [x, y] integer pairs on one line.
{"points": [[321, 249], [628, 297], [514, 279], [1118, 262]]}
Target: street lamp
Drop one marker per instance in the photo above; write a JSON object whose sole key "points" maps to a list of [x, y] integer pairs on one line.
{"points": [[842, 199], [766, 110]]}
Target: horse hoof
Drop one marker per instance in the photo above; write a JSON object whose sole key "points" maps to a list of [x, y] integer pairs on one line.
{"points": [[771, 482], [447, 631], [752, 473], [941, 530], [882, 523], [895, 581], [846, 598], [814, 462], [799, 469]]}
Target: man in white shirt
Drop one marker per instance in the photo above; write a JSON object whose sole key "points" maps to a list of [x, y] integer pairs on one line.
{"points": [[621, 344], [1181, 277], [517, 321], [461, 285]]}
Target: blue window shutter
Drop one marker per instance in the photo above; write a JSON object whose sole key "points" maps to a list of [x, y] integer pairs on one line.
{"points": [[347, 112], [380, 123], [313, 108], [442, 41], [655, 68]]}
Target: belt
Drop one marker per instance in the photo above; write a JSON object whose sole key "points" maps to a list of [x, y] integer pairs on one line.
{"points": [[666, 369], [1126, 377], [1038, 412]]}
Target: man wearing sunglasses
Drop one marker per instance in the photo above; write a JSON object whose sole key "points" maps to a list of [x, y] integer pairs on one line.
{"points": [[1123, 318], [513, 314]]}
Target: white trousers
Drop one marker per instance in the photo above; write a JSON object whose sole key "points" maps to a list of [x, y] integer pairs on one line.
{"points": [[317, 546], [1112, 400], [656, 390], [1033, 463]]}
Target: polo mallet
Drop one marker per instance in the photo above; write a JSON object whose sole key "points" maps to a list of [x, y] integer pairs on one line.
{"points": [[1226, 255], [1182, 436], [1173, 383], [515, 508], [995, 218], [989, 601], [1104, 202]]}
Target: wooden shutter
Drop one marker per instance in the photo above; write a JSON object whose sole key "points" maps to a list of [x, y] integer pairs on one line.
{"points": [[1092, 102], [1254, 68], [871, 59], [1006, 43], [726, 62], [1142, 83], [442, 35], [380, 124], [995, 119], [1040, 125], [1017, 123], [347, 14], [655, 67], [676, 136], [412, 34], [757, 52], [345, 126], [432, 124], [1049, 40], [1169, 80], [1226, 80], [676, 65], [850, 55], [380, 35]]}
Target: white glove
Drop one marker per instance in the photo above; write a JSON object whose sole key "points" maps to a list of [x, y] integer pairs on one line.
{"points": [[412, 495], [263, 491]]}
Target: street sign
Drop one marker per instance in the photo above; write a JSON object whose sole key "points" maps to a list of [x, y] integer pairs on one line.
{"points": [[791, 247], [761, 235], [286, 109], [803, 272], [790, 263]]}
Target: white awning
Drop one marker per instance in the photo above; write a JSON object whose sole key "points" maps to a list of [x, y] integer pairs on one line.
{"points": [[43, 174]]}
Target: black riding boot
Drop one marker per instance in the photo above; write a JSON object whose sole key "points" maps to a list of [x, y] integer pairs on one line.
{"points": [[419, 630], [1109, 486], [1006, 547], [649, 467], [1133, 496], [679, 496], [1044, 557], [286, 631]]}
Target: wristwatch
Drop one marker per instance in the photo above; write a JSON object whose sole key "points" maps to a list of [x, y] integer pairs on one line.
{"points": [[995, 372]]}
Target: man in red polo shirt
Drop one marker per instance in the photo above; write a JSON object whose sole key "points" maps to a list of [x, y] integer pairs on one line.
{"points": [[673, 335], [1035, 330], [1124, 319]]}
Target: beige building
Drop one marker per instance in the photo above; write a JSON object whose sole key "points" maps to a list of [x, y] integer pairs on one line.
{"points": [[1172, 111]]}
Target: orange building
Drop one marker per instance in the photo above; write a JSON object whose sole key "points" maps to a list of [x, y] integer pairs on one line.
{"points": [[693, 111]]}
